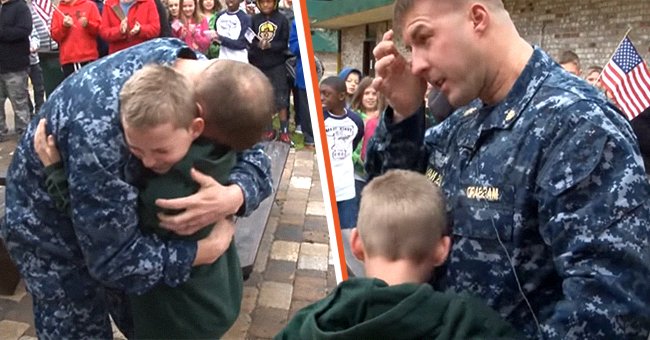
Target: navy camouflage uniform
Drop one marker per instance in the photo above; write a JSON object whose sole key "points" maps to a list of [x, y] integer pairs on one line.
{"points": [[549, 183], [78, 269]]}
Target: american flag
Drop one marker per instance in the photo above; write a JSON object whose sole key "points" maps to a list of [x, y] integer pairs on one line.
{"points": [[43, 9], [626, 76]]}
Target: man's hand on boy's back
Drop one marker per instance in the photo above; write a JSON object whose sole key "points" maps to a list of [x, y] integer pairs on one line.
{"points": [[211, 204]]}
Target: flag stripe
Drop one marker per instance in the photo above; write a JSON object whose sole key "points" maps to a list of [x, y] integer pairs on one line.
{"points": [[638, 83], [626, 76], [43, 9]]}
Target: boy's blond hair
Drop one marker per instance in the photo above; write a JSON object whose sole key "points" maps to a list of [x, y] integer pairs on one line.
{"points": [[236, 97], [157, 95], [402, 216]]}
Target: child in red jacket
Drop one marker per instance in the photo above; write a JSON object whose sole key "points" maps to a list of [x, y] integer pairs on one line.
{"points": [[129, 22], [74, 27]]}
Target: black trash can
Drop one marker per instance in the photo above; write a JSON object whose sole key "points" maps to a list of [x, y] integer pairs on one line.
{"points": [[52, 74]]}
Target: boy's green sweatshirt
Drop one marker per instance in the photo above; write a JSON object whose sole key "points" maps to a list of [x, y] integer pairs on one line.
{"points": [[365, 308]]}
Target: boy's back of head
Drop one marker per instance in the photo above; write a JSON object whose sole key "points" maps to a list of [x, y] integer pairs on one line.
{"points": [[402, 217], [237, 99]]}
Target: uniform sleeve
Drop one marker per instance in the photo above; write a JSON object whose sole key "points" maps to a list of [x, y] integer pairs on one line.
{"points": [[594, 212], [150, 26], [105, 218], [253, 175], [397, 146], [23, 26]]}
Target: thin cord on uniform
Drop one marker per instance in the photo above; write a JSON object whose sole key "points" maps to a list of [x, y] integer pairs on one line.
{"points": [[514, 272]]}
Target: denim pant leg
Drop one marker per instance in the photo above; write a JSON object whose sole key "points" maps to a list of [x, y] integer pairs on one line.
{"points": [[36, 76], [16, 84], [301, 105]]}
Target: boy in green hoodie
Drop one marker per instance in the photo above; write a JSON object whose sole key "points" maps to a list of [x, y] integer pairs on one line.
{"points": [[401, 238], [163, 127]]}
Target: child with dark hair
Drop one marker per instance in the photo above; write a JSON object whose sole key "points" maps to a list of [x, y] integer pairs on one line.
{"points": [[231, 27], [352, 77], [268, 52], [344, 130]]}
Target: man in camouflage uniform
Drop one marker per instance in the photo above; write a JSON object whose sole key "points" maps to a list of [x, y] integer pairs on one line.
{"points": [[544, 181], [77, 269]]}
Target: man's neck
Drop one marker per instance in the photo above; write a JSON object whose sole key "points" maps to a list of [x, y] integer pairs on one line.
{"points": [[397, 272], [510, 68]]}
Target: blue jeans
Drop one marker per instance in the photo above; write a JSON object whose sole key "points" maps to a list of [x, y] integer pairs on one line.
{"points": [[348, 212], [13, 85]]}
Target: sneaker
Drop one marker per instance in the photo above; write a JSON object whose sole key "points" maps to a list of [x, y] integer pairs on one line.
{"points": [[269, 135], [298, 129], [284, 138]]}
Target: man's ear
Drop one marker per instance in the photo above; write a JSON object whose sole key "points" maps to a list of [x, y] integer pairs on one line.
{"points": [[441, 251], [357, 245], [479, 16], [342, 96]]}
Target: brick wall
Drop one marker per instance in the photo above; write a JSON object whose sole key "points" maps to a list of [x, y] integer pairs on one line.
{"points": [[591, 28]]}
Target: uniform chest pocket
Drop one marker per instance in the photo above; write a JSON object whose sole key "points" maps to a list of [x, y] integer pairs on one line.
{"points": [[484, 212]]}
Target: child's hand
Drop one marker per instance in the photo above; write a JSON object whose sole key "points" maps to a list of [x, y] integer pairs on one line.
{"points": [[136, 29], [250, 9], [123, 26], [45, 145], [67, 21], [264, 44], [83, 21]]}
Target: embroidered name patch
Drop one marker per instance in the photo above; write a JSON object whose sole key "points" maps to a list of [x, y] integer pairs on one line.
{"points": [[491, 194], [434, 176]]}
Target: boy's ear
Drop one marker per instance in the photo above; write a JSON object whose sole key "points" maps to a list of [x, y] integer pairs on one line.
{"points": [[357, 245], [342, 96], [197, 127], [441, 251]]}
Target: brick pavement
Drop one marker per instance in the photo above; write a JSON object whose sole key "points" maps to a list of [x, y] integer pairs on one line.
{"points": [[293, 268]]}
